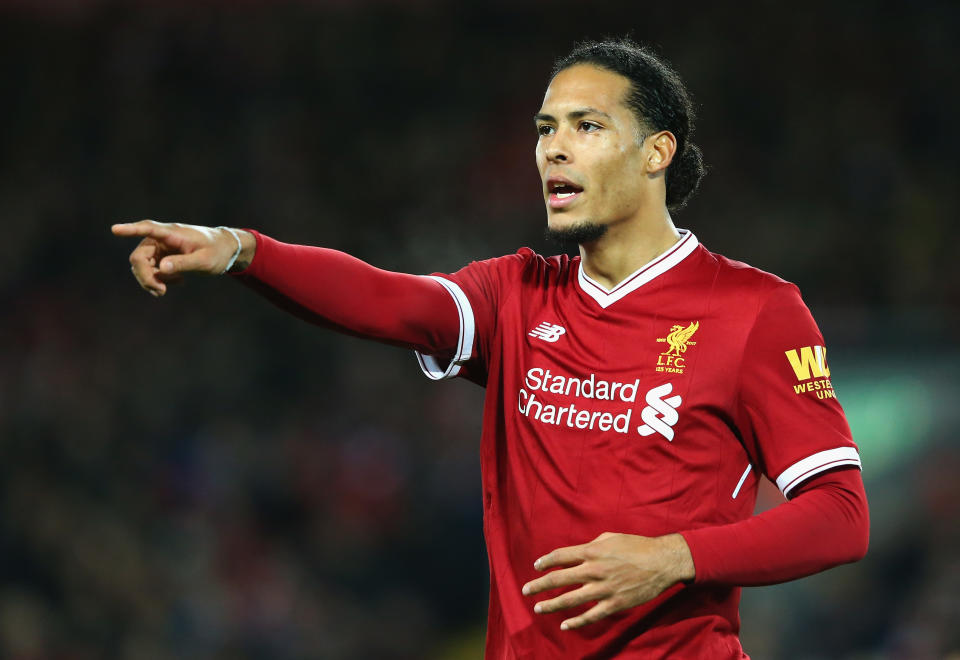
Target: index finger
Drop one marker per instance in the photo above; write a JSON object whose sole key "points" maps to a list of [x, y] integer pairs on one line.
{"points": [[568, 556], [143, 228]]}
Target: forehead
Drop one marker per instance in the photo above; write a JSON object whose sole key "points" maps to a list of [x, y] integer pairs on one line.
{"points": [[586, 86]]}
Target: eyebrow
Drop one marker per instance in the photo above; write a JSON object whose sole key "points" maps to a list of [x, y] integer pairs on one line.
{"points": [[573, 114]]}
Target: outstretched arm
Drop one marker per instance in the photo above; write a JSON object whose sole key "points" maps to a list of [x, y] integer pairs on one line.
{"points": [[824, 525], [323, 286]]}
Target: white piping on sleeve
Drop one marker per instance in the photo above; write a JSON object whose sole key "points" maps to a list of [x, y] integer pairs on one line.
{"points": [[431, 366], [815, 464], [743, 477]]}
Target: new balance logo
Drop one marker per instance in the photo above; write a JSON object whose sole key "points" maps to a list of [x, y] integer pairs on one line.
{"points": [[660, 414], [548, 332]]}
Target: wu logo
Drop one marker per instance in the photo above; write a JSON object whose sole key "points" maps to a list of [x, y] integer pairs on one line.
{"points": [[660, 414], [548, 332], [810, 362]]}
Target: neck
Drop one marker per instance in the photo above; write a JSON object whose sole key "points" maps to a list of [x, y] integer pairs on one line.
{"points": [[626, 246]]}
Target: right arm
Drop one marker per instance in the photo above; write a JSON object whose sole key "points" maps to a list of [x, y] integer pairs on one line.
{"points": [[324, 286]]}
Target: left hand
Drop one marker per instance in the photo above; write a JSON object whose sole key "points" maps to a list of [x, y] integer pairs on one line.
{"points": [[615, 570]]}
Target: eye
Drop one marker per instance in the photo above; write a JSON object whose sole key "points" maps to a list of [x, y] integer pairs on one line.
{"points": [[545, 129], [589, 127]]}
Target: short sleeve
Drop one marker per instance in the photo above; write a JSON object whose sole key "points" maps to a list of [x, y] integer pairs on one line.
{"points": [[788, 413], [479, 290]]}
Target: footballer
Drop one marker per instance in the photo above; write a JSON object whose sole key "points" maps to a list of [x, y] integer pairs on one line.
{"points": [[635, 393]]}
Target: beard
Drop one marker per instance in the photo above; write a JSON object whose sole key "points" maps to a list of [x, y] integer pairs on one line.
{"points": [[582, 232]]}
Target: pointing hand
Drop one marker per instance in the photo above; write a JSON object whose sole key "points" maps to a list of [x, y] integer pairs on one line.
{"points": [[170, 249]]}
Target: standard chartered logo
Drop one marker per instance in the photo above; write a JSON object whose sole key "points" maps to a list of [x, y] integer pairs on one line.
{"points": [[660, 414], [590, 402]]}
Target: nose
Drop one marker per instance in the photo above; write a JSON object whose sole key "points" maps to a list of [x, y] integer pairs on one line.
{"points": [[558, 150], [556, 155]]}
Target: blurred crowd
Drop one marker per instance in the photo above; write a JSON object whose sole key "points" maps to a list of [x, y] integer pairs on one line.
{"points": [[204, 477]]}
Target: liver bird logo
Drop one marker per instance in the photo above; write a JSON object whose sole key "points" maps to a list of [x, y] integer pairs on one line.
{"points": [[679, 338]]}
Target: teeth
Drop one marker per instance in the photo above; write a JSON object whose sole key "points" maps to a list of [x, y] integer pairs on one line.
{"points": [[564, 195]]}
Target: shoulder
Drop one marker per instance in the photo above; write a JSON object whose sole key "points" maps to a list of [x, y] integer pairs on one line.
{"points": [[532, 260], [526, 265], [766, 306], [743, 274], [747, 285], [498, 278]]}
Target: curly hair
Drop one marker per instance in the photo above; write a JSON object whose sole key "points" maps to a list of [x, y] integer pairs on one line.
{"points": [[658, 97]]}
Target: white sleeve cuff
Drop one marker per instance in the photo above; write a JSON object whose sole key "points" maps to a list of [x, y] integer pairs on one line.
{"points": [[815, 464], [431, 365]]}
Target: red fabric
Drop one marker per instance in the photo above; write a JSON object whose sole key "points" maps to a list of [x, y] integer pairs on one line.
{"points": [[338, 291], [694, 428], [825, 524], [566, 456]]}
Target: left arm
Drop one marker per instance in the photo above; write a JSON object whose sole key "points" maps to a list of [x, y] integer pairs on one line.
{"points": [[824, 525]]}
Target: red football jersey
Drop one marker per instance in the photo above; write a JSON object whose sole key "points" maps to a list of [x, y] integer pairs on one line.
{"points": [[647, 409]]}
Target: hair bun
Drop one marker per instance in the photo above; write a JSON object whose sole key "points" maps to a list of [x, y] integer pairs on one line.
{"points": [[684, 175]]}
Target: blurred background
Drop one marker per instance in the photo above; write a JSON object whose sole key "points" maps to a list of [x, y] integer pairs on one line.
{"points": [[202, 476]]}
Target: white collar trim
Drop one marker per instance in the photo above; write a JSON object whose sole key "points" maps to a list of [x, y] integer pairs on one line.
{"points": [[658, 266]]}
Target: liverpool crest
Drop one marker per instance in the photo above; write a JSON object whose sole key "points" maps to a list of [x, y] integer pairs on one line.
{"points": [[672, 360]]}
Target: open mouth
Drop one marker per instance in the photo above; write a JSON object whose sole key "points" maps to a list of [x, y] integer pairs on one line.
{"points": [[562, 192]]}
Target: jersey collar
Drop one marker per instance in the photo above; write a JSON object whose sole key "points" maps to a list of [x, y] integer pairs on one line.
{"points": [[679, 251]]}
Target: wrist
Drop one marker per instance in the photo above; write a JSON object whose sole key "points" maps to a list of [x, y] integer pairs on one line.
{"points": [[682, 565], [248, 248]]}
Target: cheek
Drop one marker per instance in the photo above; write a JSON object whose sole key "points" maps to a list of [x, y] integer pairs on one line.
{"points": [[615, 185], [622, 183], [540, 158]]}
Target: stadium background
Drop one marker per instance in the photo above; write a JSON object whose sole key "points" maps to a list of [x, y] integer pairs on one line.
{"points": [[204, 477]]}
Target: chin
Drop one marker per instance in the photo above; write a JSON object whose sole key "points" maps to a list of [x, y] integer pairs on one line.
{"points": [[574, 231], [562, 220]]}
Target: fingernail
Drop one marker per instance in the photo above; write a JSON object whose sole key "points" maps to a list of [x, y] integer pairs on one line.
{"points": [[538, 608], [536, 564], [564, 626], [526, 590]]}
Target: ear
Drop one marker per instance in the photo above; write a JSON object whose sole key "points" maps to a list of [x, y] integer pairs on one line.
{"points": [[661, 148]]}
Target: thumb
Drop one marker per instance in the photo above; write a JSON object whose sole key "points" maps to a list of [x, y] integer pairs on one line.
{"points": [[182, 263]]}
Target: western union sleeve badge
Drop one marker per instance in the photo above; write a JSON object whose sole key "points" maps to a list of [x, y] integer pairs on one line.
{"points": [[809, 364], [672, 360]]}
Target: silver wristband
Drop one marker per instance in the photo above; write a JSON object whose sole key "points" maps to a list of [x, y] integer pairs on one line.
{"points": [[236, 254]]}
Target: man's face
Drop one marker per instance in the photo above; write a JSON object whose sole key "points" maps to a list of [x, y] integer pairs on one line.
{"points": [[589, 151]]}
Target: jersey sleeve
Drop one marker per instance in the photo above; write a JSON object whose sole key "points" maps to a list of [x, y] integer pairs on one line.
{"points": [[478, 289], [788, 414], [335, 290], [826, 524]]}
